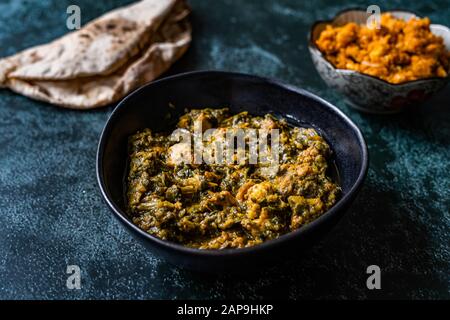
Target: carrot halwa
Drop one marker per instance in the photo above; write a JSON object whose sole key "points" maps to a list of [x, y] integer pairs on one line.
{"points": [[398, 52]]}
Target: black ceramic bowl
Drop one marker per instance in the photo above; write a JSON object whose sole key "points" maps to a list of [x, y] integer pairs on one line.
{"points": [[148, 107]]}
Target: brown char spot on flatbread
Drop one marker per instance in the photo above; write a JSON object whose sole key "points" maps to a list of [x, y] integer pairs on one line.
{"points": [[61, 50], [43, 91], [34, 56], [116, 27], [111, 26], [85, 35], [128, 28]]}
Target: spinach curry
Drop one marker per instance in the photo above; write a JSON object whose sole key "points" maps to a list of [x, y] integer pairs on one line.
{"points": [[233, 205]]}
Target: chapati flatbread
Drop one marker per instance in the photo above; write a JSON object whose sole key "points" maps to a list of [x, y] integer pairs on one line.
{"points": [[115, 37]]}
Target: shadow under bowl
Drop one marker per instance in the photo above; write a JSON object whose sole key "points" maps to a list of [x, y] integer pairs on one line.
{"points": [[148, 107]]}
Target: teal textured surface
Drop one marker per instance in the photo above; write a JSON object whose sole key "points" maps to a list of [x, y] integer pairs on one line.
{"points": [[52, 214]]}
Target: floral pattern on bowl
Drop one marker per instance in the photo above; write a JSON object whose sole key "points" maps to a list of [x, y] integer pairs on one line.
{"points": [[368, 93]]}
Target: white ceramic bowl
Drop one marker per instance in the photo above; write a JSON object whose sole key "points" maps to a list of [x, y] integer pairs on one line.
{"points": [[368, 93]]}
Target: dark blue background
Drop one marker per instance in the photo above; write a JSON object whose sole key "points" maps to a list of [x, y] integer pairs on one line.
{"points": [[52, 214]]}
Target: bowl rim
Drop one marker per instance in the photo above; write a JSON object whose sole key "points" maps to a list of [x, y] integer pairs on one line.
{"points": [[341, 203], [312, 46]]}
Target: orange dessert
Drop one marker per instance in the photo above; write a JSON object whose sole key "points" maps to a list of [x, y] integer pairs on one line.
{"points": [[398, 52]]}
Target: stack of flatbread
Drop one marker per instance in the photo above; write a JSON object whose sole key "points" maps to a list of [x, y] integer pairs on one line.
{"points": [[106, 59]]}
